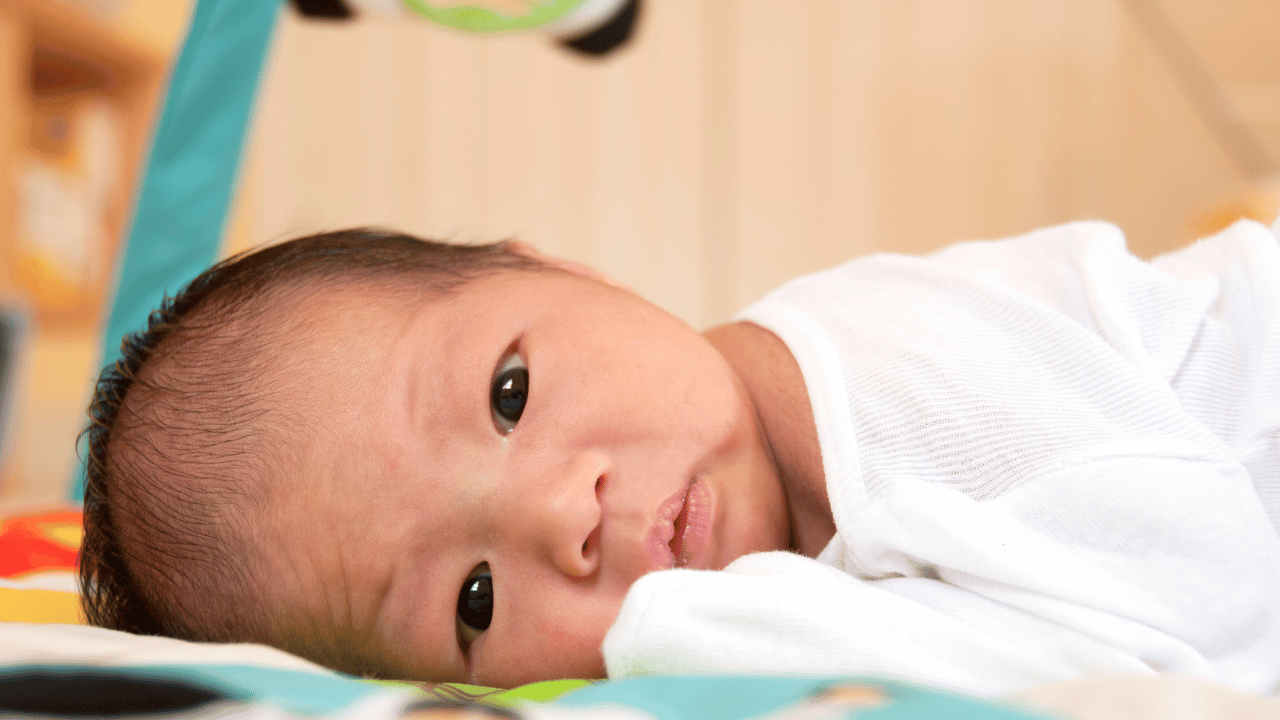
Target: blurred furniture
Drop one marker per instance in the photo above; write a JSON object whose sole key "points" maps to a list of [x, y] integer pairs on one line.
{"points": [[76, 99]]}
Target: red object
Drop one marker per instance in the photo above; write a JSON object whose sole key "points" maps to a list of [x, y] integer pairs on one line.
{"points": [[38, 543]]}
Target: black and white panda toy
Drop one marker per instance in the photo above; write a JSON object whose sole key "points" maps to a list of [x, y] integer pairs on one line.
{"points": [[593, 28]]}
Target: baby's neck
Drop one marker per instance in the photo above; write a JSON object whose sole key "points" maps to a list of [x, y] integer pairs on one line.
{"points": [[776, 388]]}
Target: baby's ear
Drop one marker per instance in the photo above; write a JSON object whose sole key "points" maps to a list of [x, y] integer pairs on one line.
{"points": [[572, 267]]}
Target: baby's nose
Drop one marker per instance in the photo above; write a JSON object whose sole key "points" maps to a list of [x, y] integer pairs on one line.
{"points": [[567, 514]]}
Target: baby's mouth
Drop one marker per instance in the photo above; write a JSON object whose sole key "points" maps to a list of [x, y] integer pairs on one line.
{"points": [[677, 536], [691, 525], [665, 540]]}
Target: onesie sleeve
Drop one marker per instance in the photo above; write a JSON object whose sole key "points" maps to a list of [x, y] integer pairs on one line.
{"points": [[784, 613], [1229, 375]]}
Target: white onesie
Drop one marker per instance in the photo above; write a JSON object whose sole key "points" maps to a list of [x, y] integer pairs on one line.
{"points": [[1045, 458]]}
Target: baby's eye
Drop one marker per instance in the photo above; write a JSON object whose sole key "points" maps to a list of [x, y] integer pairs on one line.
{"points": [[475, 605], [509, 393]]}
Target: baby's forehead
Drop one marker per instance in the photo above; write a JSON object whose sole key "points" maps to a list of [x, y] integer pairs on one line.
{"points": [[314, 317], [310, 302]]}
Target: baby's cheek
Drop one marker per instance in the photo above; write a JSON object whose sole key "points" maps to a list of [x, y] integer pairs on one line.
{"points": [[550, 659], [554, 646]]}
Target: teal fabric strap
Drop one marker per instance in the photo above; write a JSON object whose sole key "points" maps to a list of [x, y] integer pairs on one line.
{"points": [[191, 172]]}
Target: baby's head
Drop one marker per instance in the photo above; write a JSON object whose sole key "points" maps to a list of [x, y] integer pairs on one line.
{"points": [[416, 460]]}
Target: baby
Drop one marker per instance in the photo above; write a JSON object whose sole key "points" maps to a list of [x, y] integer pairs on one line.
{"points": [[1003, 464]]}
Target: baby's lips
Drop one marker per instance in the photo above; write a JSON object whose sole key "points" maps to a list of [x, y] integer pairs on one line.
{"points": [[658, 544], [698, 512], [660, 553]]}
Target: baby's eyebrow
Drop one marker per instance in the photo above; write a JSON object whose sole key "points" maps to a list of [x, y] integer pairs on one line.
{"points": [[384, 648], [379, 606], [351, 641], [424, 392], [324, 638], [414, 385]]}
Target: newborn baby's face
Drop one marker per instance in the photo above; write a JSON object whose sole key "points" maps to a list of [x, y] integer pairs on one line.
{"points": [[490, 472]]}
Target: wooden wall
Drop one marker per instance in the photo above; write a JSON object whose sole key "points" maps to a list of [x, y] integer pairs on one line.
{"points": [[742, 142]]}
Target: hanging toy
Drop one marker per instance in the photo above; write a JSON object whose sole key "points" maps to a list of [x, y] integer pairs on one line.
{"points": [[589, 27]]}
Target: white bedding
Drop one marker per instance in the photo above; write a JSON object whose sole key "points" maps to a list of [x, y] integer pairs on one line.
{"points": [[32, 643]]}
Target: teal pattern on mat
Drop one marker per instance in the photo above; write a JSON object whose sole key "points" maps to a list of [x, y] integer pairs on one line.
{"points": [[763, 697]]}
